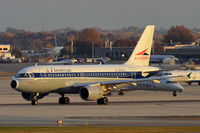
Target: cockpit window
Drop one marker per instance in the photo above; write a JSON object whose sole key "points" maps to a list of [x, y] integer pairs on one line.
{"points": [[24, 75]]}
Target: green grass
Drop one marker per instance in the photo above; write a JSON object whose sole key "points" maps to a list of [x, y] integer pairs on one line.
{"points": [[98, 129]]}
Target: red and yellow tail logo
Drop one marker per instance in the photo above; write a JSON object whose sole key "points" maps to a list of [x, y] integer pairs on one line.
{"points": [[142, 55], [142, 52]]}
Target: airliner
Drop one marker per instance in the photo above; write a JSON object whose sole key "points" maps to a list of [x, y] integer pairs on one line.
{"points": [[56, 50], [162, 85], [193, 75], [91, 82]]}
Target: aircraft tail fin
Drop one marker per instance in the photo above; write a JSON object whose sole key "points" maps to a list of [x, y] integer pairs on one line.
{"points": [[141, 54]]}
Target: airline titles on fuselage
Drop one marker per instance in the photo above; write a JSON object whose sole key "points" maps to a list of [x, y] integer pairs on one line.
{"points": [[58, 70]]}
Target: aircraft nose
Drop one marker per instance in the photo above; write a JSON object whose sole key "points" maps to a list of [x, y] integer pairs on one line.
{"points": [[180, 87], [14, 84]]}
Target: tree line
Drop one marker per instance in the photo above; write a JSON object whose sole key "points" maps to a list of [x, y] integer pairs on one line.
{"points": [[84, 39]]}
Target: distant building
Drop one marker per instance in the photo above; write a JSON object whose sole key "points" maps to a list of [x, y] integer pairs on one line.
{"points": [[178, 46], [4, 48], [185, 53], [5, 51], [114, 53]]}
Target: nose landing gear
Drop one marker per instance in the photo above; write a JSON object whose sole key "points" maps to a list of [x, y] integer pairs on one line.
{"points": [[34, 102]]}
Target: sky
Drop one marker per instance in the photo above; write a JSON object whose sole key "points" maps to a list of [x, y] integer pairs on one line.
{"points": [[37, 15]]}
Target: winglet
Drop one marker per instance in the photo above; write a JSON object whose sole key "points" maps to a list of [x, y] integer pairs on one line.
{"points": [[141, 54]]}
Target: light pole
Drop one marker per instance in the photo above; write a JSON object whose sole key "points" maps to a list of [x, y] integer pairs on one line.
{"points": [[92, 49]]}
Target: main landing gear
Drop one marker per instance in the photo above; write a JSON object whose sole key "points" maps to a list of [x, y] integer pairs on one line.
{"points": [[64, 100], [174, 93], [121, 93], [102, 101]]}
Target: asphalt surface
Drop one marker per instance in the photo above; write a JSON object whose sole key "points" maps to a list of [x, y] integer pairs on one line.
{"points": [[136, 108]]}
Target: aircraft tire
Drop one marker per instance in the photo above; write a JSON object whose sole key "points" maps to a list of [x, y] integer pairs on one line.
{"points": [[61, 100], [174, 93], [102, 101], [34, 102], [121, 93], [64, 100]]}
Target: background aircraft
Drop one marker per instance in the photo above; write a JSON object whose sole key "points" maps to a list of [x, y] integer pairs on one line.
{"points": [[162, 85], [188, 76]]}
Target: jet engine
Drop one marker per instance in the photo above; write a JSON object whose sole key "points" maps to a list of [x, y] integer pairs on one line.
{"points": [[90, 93], [30, 96]]}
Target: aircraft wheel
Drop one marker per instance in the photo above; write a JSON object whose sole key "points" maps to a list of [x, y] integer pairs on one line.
{"points": [[61, 100], [174, 93], [102, 101], [109, 94], [64, 100], [198, 83], [34, 102], [189, 83], [121, 93]]}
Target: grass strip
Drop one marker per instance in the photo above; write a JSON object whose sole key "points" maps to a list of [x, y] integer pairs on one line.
{"points": [[98, 129]]}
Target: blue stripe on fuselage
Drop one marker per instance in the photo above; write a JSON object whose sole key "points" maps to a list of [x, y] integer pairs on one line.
{"points": [[92, 74]]}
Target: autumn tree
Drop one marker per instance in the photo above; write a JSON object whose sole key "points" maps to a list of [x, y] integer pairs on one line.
{"points": [[111, 37], [90, 36], [157, 48], [179, 34], [124, 43]]}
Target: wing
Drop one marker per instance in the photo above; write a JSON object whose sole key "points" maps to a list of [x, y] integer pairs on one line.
{"points": [[124, 81]]}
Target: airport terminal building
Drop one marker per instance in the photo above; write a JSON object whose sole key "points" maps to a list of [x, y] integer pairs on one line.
{"points": [[5, 51], [115, 53], [185, 53]]}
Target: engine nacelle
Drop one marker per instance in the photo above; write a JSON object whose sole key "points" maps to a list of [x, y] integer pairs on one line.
{"points": [[30, 96], [90, 93]]}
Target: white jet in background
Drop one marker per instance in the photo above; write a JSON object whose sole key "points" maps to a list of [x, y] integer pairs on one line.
{"points": [[188, 76], [161, 85]]}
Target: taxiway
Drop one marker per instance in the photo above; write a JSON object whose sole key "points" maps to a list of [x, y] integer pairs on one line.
{"points": [[136, 108]]}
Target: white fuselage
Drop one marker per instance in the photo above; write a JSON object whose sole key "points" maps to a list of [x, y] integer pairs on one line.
{"points": [[194, 75], [47, 78], [164, 85]]}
